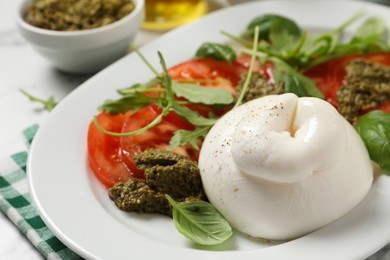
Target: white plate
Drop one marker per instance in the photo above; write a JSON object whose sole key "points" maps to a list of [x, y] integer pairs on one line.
{"points": [[76, 208]]}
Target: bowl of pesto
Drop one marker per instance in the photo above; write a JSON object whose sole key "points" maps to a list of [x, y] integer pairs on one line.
{"points": [[81, 36]]}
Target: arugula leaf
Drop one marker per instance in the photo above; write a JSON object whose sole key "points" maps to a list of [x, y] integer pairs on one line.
{"points": [[216, 51], [251, 66], [266, 23], [143, 58], [294, 81], [373, 29], [374, 129], [183, 137], [202, 94], [193, 117], [370, 36], [166, 103], [48, 104], [167, 83], [140, 87], [200, 222], [132, 102]]}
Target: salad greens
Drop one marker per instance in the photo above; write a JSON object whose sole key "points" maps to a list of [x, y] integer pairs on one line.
{"points": [[291, 50], [134, 98], [200, 222], [374, 129], [278, 39]]}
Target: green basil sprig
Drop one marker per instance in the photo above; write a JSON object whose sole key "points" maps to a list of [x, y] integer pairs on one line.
{"points": [[374, 129], [200, 222], [216, 51], [269, 22]]}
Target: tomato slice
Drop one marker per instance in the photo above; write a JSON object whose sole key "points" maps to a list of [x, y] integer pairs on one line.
{"points": [[214, 73], [157, 137], [111, 158], [103, 151], [267, 69], [330, 75], [220, 73]]}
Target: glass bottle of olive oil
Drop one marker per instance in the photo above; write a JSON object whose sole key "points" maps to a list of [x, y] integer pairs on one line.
{"points": [[167, 14]]}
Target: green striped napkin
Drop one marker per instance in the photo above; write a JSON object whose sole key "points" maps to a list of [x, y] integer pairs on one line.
{"points": [[15, 203]]}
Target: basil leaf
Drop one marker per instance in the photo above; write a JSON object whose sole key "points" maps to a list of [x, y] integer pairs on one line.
{"points": [[216, 51], [281, 38], [374, 129], [183, 137], [200, 222], [267, 21], [200, 94], [126, 103]]}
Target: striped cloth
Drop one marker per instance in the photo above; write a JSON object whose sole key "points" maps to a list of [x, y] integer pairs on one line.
{"points": [[15, 203]]}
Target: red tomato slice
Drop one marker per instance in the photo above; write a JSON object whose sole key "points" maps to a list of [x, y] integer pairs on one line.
{"points": [[224, 74], [385, 107], [267, 69], [157, 137], [220, 73], [330, 75], [103, 151]]}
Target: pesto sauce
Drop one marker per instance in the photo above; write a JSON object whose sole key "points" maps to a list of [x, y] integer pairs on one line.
{"points": [[367, 86], [74, 15], [165, 173]]}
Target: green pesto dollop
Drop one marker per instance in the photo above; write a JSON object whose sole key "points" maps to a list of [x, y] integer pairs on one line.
{"points": [[366, 86], [259, 86], [165, 173]]}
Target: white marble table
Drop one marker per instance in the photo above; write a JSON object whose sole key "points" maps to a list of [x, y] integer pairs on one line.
{"points": [[21, 67]]}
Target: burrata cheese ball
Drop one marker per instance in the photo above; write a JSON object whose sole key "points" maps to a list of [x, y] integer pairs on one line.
{"points": [[281, 166]]}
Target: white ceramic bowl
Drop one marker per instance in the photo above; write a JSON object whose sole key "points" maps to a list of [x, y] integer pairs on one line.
{"points": [[85, 51]]}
